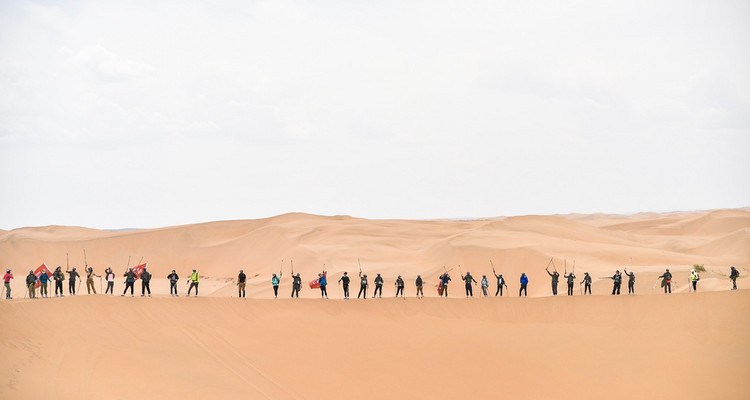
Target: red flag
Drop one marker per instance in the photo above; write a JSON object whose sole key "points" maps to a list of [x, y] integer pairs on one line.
{"points": [[316, 283], [41, 269], [139, 270]]}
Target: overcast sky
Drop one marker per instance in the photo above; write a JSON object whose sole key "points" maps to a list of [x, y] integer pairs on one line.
{"points": [[155, 113]]}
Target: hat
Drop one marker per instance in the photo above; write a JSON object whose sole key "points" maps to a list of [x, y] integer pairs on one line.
{"points": [[7, 271], [242, 271], [31, 271], [74, 268], [193, 270]]}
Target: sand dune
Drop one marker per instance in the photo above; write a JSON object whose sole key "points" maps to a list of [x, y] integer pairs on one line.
{"points": [[651, 346], [692, 346]]}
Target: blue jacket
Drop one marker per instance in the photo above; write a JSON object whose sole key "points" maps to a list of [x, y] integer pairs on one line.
{"points": [[43, 277], [322, 280], [524, 280]]}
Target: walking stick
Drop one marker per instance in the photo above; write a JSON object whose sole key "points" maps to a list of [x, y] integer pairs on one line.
{"points": [[100, 285]]}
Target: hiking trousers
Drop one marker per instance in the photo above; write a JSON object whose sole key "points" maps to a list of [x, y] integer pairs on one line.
{"points": [[499, 290], [323, 291], [43, 289], [145, 286], [110, 288], [469, 290], [522, 289], [130, 285], [616, 288], [241, 289], [554, 289], [668, 287], [90, 286], [275, 291], [58, 287], [72, 286], [631, 287], [400, 289], [378, 288], [32, 290], [362, 289], [346, 291], [193, 285], [419, 291], [570, 289], [295, 291], [173, 287]]}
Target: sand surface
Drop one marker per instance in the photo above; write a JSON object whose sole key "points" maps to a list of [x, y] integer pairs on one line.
{"points": [[684, 345]]}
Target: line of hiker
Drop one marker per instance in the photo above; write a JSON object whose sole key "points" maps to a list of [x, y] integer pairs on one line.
{"points": [[42, 279]]}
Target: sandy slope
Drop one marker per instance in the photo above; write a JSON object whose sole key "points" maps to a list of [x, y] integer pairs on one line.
{"points": [[687, 346], [598, 244]]}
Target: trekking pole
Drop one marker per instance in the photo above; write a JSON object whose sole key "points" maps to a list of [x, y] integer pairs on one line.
{"points": [[126, 268], [100, 285]]}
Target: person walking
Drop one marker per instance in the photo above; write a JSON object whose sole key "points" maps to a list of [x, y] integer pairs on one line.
{"points": [[586, 283], [399, 286], [362, 285], [524, 284], [468, 279], [296, 285], [617, 281], [500, 284], [194, 280], [173, 279], [571, 281], [666, 281], [631, 282], [145, 282], [72, 276], [109, 275], [345, 281], [420, 291], [130, 278], [378, 292], [485, 285], [694, 278], [90, 280], [323, 282], [555, 278], [31, 284], [444, 280], [275, 281], [43, 280], [59, 277], [733, 275], [6, 278], [241, 279]]}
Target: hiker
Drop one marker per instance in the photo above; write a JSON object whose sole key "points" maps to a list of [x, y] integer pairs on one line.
{"points": [[109, 275], [90, 280], [296, 284], [444, 279], [31, 284], [194, 278], [419, 286], [323, 283], [362, 285], [694, 278], [733, 275], [666, 282], [617, 278], [173, 279], [587, 283], [631, 282], [43, 279], [8, 276], [345, 280], [399, 286], [570, 277], [500, 284], [555, 277], [524, 283], [485, 285], [145, 282], [241, 278], [130, 278], [378, 292], [275, 281], [59, 277], [469, 279], [72, 275]]}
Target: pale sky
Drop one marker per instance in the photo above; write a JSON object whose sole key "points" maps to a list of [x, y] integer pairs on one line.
{"points": [[118, 114]]}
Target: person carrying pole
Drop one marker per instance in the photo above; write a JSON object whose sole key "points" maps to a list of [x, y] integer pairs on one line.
{"points": [[468, 279], [90, 281], [666, 282], [193, 280], [586, 283], [109, 275], [571, 281], [555, 278], [6, 279], [130, 278], [275, 281], [31, 284], [631, 282], [617, 281], [418, 282], [362, 285], [296, 285], [444, 280], [72, 275], [694, 278], [323, 283], [500, 284]]}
